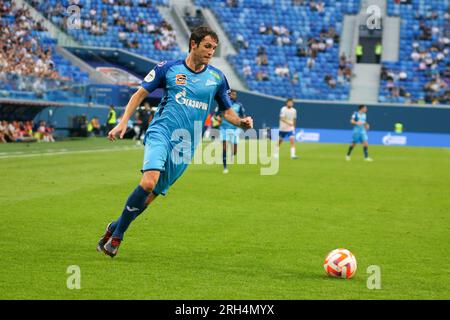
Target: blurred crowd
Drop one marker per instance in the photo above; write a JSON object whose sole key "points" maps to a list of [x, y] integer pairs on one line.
{"points": [[22, 131], [430, 60], [20, 53], [306, 47], [98, 24]]}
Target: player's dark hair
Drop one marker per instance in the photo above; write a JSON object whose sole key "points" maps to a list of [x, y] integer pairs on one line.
{"points": [[361, 106], [289, 99], [199, 33]]}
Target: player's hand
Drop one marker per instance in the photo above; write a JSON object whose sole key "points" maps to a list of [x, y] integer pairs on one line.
{"points": [[359, 123], [247, 123], [120, 129]]}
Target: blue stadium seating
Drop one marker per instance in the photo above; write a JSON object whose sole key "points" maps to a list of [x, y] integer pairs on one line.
{"points": [[110, 38], [249, 14], [411, 15], [20, 87]]}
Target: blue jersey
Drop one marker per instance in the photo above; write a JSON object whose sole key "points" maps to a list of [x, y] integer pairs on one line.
{"points": [[188, 97], [239, 109], [362, 118]]}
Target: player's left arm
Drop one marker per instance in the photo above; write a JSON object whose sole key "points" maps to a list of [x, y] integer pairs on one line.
{"points": [[223, 100], [231, 116], [367, 126]]}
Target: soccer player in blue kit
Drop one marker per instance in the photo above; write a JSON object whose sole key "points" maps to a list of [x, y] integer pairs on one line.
{"points": [[359, 120], [229, 132], [191, 86]]}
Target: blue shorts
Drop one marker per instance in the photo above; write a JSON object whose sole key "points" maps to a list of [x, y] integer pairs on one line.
{"points": [[230, 135], [164, 156], [284, 134], [359, 137]]}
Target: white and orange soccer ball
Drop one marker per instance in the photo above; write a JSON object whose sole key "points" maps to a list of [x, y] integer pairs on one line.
{"points": [[340, 263]]}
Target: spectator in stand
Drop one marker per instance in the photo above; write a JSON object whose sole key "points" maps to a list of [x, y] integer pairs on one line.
{"points": [[310, 62], [247, 71], [44, 133], [295, 78], [21, 56], [261, 56], [144, 3], [12, 131], [122, 37], [241, 43], [135, 43], [232, 3], [340, 77], [330, 81], [297, 2], [262, 75], [262, 28], [2, 132], [282, 71]]}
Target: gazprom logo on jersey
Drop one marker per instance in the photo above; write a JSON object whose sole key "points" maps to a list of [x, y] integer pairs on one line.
{"points": [[303, 136], [180, 98], [390, 140]]}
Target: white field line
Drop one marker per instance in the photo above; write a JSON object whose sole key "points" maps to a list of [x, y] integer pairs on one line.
{"points": [[57, 152]]}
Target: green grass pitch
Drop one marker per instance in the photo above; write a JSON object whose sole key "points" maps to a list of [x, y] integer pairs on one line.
{"points": [[235, 236]]}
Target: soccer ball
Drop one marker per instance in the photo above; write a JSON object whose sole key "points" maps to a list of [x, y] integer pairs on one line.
{"points": [[340, 263]]}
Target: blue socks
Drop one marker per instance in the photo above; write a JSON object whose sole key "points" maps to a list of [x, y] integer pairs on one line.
{"points": [[135, 206]]}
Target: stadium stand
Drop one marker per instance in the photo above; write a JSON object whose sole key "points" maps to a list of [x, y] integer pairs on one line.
{"points": [[422, 72], [285, 47], [29, 66], [288, 48], [137, 24]]}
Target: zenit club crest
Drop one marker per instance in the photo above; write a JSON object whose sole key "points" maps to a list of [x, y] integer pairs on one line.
{"points": [[181, 79]]}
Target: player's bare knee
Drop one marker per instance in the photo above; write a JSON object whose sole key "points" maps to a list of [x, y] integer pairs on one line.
{"points": [[147, 185], [149, 181]]}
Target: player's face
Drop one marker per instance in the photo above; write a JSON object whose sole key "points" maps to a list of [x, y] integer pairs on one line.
{"points": [[204, 51], [233, 95], [363, 110], [290, 104]]}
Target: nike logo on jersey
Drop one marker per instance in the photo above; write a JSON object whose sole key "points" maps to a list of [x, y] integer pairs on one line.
{"points": [[195, 80], [210, 83], [132, 209]]}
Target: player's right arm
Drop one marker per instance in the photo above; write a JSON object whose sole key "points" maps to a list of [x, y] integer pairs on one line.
{"points": [[155, 79], [354, 120], [135, 100], [283, 118]]}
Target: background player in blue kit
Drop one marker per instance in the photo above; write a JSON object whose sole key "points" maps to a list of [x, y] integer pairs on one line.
{"points": [[228, 131], [191, 86], [359, 120]]}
